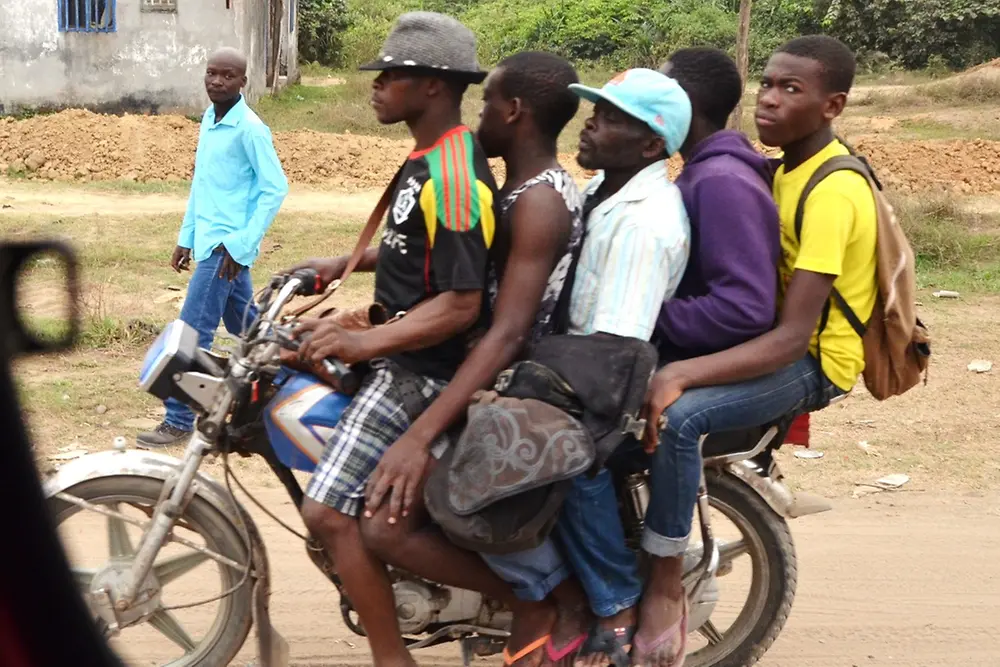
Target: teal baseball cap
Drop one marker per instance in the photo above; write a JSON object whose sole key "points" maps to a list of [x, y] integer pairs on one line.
{"points": [[649, 96]]}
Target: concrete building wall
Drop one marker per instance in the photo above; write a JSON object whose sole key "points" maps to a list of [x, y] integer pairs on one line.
{"points": [[154, 62]]}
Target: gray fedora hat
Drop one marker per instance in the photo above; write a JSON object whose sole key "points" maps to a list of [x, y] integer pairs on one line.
{"points": [[433, 41]]}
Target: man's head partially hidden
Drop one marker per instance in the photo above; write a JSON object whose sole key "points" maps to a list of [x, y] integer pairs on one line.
{"points": [[427, 62], [712, 82], [641, 116], [527, 96], [225, 75], [804, 89]]}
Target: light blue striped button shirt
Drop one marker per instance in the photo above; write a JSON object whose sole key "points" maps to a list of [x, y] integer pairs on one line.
{"points": [[633, 257], [237, 189]]}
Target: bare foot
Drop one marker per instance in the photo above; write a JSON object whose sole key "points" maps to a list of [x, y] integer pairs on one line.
{"points": [[617, 634], [533, 621]]}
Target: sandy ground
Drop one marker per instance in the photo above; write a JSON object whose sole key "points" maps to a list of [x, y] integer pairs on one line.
{"points": [[896, 579]]}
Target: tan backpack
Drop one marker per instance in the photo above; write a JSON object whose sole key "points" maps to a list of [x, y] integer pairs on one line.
{"points": [[897, 344]]}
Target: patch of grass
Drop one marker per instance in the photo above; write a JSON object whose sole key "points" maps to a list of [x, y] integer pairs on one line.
{"points": [[894, 77], [115, 334], [966, 90], [947, 235], [983, 279], [137, 187], [929, 128]]}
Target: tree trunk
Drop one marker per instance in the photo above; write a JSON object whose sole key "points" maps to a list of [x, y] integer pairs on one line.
{"points": [[742, 60], [274, 68]]}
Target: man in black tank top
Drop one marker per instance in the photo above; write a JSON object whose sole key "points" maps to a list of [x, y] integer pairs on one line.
{"points": [[527, 103]]}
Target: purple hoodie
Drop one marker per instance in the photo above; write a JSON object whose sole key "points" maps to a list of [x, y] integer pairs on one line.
{"points": [[728, 294]]}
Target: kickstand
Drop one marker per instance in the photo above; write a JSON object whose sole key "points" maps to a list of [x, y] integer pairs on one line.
{"points": [[467, 651]]}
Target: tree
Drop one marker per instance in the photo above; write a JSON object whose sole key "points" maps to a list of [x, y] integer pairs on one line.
{"points": [[742, 59]]}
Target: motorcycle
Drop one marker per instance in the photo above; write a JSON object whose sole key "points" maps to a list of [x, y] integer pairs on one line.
{"points": [[740, 481]]}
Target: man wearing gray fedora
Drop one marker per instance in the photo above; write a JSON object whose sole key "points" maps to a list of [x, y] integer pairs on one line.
{"points": [[434, 253]]}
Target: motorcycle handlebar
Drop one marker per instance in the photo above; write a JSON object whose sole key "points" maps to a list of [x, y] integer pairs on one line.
{"points": [[349, 380]]}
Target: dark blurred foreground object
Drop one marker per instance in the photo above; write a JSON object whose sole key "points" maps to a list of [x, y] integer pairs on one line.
{"points": [[43, 619]]}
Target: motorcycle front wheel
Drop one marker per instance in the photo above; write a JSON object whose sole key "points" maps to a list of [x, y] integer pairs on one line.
{"points": [[167, 633], [765, 545]]}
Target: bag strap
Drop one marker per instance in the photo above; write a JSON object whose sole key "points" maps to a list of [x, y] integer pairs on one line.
{"points": [[364, 240], [834, 164]]}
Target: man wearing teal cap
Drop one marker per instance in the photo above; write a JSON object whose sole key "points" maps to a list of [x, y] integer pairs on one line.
{"points": [[633, 257]]}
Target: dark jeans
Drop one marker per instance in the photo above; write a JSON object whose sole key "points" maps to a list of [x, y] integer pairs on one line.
{"points": [[210, 299], [590, 539]]}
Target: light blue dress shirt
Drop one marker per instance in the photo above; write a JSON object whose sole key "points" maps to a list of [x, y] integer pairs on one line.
{"points": [[237, 189]]}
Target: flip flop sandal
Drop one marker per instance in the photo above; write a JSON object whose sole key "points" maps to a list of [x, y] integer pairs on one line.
{"points": [[509, 659], [612, 642], [674, 637], [558, 656]]}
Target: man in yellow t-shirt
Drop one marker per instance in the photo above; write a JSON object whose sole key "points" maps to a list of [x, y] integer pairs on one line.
{"points": [[837, 239], [810, 357]]}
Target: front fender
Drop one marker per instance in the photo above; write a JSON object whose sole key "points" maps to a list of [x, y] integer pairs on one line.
{"points": [[139, 463]]}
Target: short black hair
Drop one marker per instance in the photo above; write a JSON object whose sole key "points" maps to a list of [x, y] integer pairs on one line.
{"points": [[711, 80], [837, 60], [542, 81]]}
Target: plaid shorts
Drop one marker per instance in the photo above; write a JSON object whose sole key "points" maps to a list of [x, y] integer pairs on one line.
{"points": [[374, 420]]}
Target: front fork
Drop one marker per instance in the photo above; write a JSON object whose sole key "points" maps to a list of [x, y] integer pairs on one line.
{"points": [[165, 514]]}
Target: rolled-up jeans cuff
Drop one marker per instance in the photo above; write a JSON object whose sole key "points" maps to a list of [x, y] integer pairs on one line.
{"points": [[529, 586], [664, 547], [609, 609]]}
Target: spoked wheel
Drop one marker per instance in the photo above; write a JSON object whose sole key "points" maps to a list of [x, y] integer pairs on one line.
{"points": [[167, 625], [756, 578]]}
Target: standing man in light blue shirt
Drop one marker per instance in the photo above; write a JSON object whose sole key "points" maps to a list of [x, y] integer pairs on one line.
{"points": [[237, 190]]}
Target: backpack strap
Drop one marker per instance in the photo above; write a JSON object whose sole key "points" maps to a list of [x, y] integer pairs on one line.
{"points": [[860, 166]]}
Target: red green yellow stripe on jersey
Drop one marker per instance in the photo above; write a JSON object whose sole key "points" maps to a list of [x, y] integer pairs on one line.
{"points": [[454, 197]]}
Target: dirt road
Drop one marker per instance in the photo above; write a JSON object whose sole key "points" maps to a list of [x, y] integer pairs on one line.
{"points": [[906, 579]]}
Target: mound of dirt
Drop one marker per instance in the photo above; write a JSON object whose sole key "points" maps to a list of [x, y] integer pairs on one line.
{"points": [[992, 68], [964, 167], [80, 145]]}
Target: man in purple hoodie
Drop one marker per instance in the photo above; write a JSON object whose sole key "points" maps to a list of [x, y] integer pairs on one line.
{"points": [[728, 295], [729, 290]]}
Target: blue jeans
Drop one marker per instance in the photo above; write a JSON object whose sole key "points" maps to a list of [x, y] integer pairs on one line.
{"points": [[210, 299], [590, 536], [676, 465], [596, 551]]}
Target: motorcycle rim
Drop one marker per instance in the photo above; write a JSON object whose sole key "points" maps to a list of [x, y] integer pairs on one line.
{"points": [[767, 544], [136, 496]]}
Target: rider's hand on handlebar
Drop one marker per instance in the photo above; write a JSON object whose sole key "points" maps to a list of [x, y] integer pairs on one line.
{"points": [[180, 260], [666, 387], [401, 470], [327, 339], [329, 269]]}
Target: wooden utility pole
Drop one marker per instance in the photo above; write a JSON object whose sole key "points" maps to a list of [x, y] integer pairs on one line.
{"points": [[742, 59]]}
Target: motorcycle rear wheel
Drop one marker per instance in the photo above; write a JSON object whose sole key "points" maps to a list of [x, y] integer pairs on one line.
{"points": [[233, 618], [769, 545]]}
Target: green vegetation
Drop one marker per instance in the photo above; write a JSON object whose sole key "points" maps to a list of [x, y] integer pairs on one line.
{"points": [[956, 246], [321, 27], [888, 34]]}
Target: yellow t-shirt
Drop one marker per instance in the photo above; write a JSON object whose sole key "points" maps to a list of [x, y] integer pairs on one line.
{"points": [[839, 230]]}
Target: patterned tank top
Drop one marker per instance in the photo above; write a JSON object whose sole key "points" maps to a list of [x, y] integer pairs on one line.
{"points": [[547, 321]]}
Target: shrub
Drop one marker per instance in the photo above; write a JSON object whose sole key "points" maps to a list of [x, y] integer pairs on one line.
{"points": [[321, 31]]}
